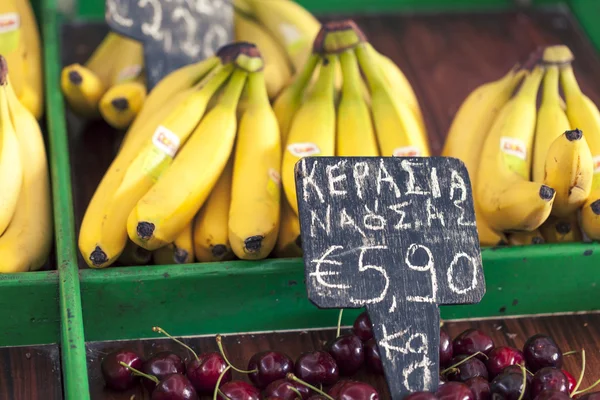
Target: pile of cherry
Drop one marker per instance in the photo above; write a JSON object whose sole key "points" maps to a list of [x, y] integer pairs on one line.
{"points": [[471, 368]]}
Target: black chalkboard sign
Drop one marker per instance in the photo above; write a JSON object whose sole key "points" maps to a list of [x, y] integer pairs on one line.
{"points": [[174, 32], [397, 236]]}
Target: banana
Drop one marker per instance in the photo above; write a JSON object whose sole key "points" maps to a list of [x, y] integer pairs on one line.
{"points": [[507, 199], [525, 238], [11, 164], [26, 243], [32, 95], [290, 24], [101, 61], [355, 133], [312, 131], [552, 121], [590, 216], [278, 71], [289, 100], [255, 189], [465, 140], [398, 131], [12, 45], [141, 160], [177, 196], [569, 171], [211, 232], [289, 244], [181, 251], [561, 230], [82, 90], [134, 255], [122, 102]]}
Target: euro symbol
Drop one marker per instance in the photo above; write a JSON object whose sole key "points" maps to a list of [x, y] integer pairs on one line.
{"points": [[320, 274]]}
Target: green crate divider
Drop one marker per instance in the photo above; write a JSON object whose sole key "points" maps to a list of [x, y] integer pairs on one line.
{"points": [[124, 303]]}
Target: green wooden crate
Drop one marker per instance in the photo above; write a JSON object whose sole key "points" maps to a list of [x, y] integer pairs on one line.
{"points": [[124, 303]]}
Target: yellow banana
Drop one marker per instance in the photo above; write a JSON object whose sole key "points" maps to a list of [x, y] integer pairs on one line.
{"points": [[507, 199], [312, 131], [12, 45], [355, 133], [291, 25], [289, 244], [590, 216], [11, 164], [142, 159], [181, 251], [277, 66], [552, 121], [25, 245], [122, 102], [82, 90], [398, 131], [101, 61], [569, 171], [211, 232], [289, 100], [178, 195], [32, 95], [134, 255], [469, 130], [525, 238], [256, 190], [561, 230]]}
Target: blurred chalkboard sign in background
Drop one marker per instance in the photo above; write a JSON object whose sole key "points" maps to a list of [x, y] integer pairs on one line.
{"points": [[174, 32]]}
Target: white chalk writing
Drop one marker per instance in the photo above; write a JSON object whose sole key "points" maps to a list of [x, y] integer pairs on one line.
{"points": [[360, 172], [411, 185], [450, 273], [316, 221], [428, 267], [433, 213], [332, 180], [318, 274], [397, 208], [457, 183], [362, 268], [384, 176], [309, 179]]}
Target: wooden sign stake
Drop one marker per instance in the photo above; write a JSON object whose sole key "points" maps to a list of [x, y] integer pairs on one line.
{"points": [[174, 33], [397, 236]]}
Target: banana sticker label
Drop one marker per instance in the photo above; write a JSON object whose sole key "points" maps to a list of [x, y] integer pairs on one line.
{"points": [[596, 178], [596, 164], [155, 163], [303, 149], [9, 32], [166, 141], [407, 151], [514, 152], [128, 73]]}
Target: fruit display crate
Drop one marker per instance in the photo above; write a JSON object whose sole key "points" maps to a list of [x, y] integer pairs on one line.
{"points": [[446, 48]]}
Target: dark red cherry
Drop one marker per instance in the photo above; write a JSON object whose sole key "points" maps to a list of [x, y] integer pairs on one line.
{"points": [[454, 391], [542, 351], [174, 387], [162, 365], [283, 389], [509, 386], [472, 341], [204, 372], [271, 366], [590, 396], [516, 369], [353, 390], [468, 369], [549, 379], [317, 397], [572, 381], [348, 353], [502, 357], [480, 388], [552, 395], [445, 348], [116, 376], [362, 327], [239, 390], [421, 396], [372, 357], [317, 367]]}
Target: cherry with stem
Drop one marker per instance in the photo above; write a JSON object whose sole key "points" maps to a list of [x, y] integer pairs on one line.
{"points": [[217, 387], [140, 373], [294, 378], [219, 340], [452, 368]]}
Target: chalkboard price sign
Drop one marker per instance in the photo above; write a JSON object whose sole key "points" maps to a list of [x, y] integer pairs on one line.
{"points": [[174, 32], [397, 236]]}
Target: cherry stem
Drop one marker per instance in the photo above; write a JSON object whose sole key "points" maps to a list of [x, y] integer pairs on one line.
{"points": [[453, 367], [140, 373], [586, 390], [570, 353], [218, 386], [582, 371], [294, 378], [293, 389], [219, 340], [161, 330], [339, 326], [524, 381]]}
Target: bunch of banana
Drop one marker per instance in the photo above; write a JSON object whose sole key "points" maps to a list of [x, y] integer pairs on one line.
{"points": [[191, 179], [531, 168], [20, 45], [111, 83], [25, 204]]}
